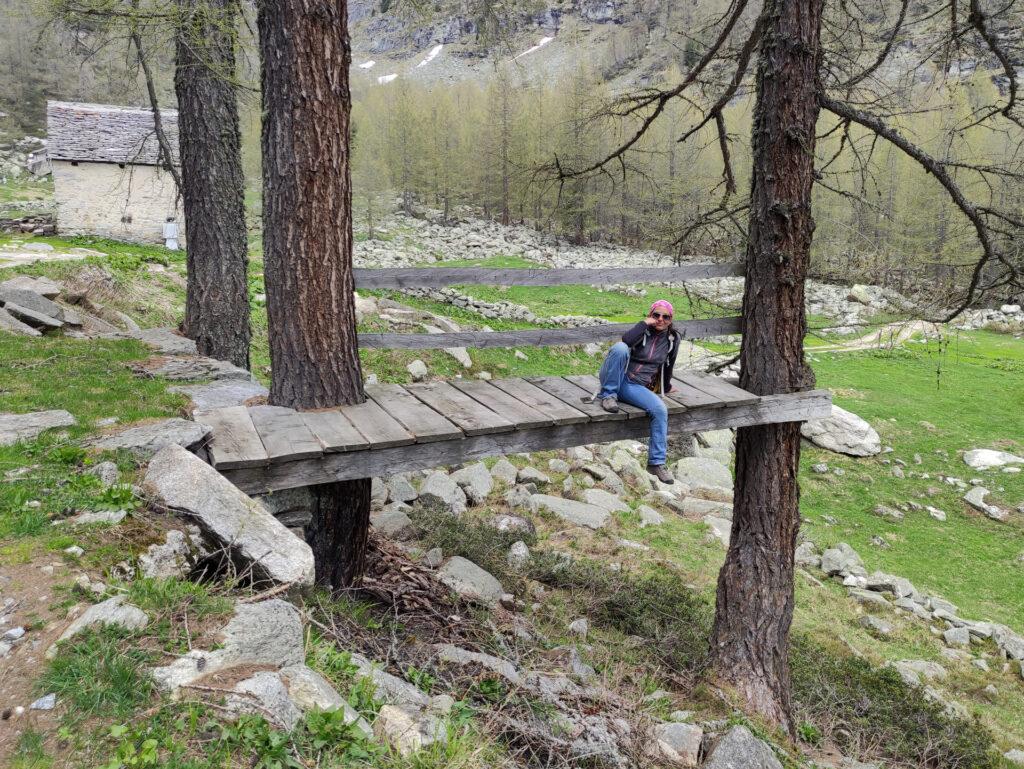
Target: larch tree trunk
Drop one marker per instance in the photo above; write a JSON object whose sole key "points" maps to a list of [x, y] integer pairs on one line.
{"points": [[307, 245], [213, 186], [754, 608]]}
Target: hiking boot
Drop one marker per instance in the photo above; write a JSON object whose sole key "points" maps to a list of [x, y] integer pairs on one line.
{"points": [[609, 403], [661, 473]]}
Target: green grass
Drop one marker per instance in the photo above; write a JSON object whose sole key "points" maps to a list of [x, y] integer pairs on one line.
{"points": [[90, 379], [972, 390]]}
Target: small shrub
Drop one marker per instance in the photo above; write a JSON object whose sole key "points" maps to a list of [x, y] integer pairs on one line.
{"points": [[871, 712]]}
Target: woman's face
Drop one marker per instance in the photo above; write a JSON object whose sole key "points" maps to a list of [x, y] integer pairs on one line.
{"points": [[662, 320]]}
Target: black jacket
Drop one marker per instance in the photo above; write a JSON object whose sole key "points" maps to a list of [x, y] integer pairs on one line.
{"points": [[639, 335]]}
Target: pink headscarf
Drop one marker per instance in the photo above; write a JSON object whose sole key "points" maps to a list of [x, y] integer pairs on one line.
{"points": [[664, 305]]}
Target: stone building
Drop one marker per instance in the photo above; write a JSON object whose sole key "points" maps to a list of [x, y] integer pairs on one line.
{"points": [[107, 181]]}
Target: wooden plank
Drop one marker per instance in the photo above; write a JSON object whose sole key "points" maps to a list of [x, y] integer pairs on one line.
{"points": [[334, 431], [284, 434], [502, 403], [377, 426], [728, 393], [592, 385], [474, 418], [770, 409], [234, 441], [415, 416], [700, 328], [573, 395], [555, 409], [438, 277], [692, 397]]}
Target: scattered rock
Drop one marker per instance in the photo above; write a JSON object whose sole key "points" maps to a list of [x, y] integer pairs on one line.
{"points": [[393, 523], [47, 702], [703, 473], [603, 499], [842, 560], [408, 730], [807, 555], [721, 528], [221, 393], [820, 468], [532, 475], [1015, 756], [518, 556], [476, 482], [739, 749], [695, 507], [146, 440], [889, 513], [170, 559], [868, 598], [504, 471], [308, 690], [113, 611], [12, 325], [649, 516], [844, 433], [199, 367], [165, 340], [106, 472], [677, 743], [98, 516], [876, 625], [438, 490], [983, 459], [975, 497], [183, 483], [957, 637], [268, 633], [265, 694], [914, 671], [400, 490], [470, 581], [25, 427], [579, 627], [418, 370], [513, 523], [42, 286], [578, 513]]}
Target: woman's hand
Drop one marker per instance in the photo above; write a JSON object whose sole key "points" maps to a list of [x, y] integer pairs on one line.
{"points": [[650, 321]]}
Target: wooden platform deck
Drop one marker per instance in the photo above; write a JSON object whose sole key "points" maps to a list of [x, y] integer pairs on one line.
{"points": [[411, 427]]}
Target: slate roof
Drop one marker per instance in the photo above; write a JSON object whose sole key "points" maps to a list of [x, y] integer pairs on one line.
{"points": [[105, 133]]}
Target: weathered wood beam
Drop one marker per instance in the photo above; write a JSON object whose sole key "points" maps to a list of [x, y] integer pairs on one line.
{"points": [[438, 277], [794, 407], [541, 337]]}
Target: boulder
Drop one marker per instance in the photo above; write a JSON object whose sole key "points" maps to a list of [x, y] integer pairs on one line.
{"points": [[649, 516], [957, 637], [409, 730], [170, 559], [844, 433], [42, 286], [393, 523], [400, 490], [264, 694], [983, 459], [721, 528], [578, 513], [470, 581], [221, 393], [842, 560], [268, 634], [438, 490], [12, 325], [703, 473], [181, 482], [604, 499], [739, 749], [32, 318], [30, 300], [532, 475], [504, 471], [145, 440], [25, 427], [113, 611], [476, 481], [807, 555], [676, 743], [308, 690]]}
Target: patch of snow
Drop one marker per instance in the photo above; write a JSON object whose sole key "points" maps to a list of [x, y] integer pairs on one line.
{"points": [[430, 56], [367, 64], [543, 42], [387, 78]]}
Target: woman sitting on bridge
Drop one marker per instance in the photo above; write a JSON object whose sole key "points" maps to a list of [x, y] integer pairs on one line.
{"points": [[636, 370]]}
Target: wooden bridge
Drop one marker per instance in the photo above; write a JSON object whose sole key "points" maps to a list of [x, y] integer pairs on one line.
{"points": [[410, 427]]}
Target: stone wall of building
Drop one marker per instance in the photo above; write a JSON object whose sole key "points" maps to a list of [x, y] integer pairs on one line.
{"points": [[109, 200]]}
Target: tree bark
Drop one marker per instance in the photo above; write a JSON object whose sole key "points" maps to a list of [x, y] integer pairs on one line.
{"points": [[754, 609], [213, 186], [307, 245]]}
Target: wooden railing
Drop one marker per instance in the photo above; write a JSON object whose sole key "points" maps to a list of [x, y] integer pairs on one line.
{"points": [[429, 277]]}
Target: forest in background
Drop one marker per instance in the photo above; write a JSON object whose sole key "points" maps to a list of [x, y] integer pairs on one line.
{"points": [[486, 146]]}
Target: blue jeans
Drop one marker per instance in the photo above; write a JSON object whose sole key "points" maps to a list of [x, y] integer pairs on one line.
{"points": [[614, 382]]}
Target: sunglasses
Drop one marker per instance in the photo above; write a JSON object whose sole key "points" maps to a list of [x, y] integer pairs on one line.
{"points": [[659, 316]]}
